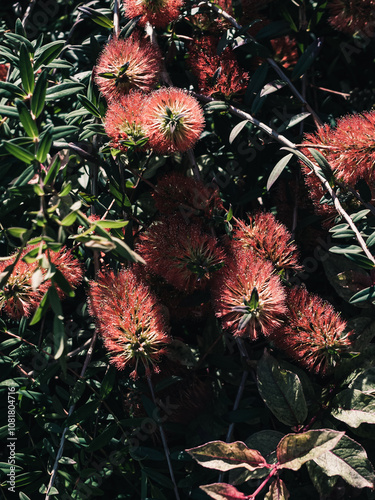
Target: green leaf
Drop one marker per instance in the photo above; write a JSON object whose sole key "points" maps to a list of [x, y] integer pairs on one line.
{"points": [[359, 215], [323, 163], [53, 170], [294, 120], [16, 232], [223, 491], [64, 131], [65, 190], [348, 460], [59, 337], [27, 121], [9, 90], [108, 382], [97, 17], [294, 450], [126, 252], [44, 146], [23, 496], [65, 89], [354, 407], [39, 96], [19, 152], [42, 309], [26, 70], [9, 111], [129, 27], [215, 106], [236, 130], [282, 391], [256, 82], [86, 103], [271, 87], [111, 224], [367, 294], [345, 249], [48, 53], [307, 58], [227, 456], [69, 219], [277, 170], [103, 439], [88, 410], [360, 260]]}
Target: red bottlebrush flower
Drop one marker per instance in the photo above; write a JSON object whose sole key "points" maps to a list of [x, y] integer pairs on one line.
{"points": [[248, 297], [127, 64], [69, 267], [314, 334], [269, 239], [211, 21], [183, 254], [4, 72], [177, 193], [124, 121], [286, 52], [352, 16], [216, 74], [350, 150], [174, 120], [159, 13], [17, 297], [129, 320]]}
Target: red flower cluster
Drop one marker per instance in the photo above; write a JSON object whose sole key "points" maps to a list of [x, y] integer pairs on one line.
{"points": [[352, 16], [20, 297], [313, 334], [159, 13], [248, 297], [183, 254], [268, 239], [350, 150], [177, 193], [216, 74], [129, 320], [285, 49], [127, 64], [124, 121]]}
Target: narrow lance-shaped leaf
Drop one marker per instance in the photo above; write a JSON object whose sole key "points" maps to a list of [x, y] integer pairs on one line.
{"points": [[48, 53], [27, 121], [19, 152], [223, 491], [236, 130], [26, 70], [294, 450], [44, 146], [39, 96], [348, 460], [226, 456], [277, 170]]}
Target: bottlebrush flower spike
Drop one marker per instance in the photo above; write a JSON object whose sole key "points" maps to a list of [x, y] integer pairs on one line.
{"points": [[127, 64], [248, 297], [352, 16], [174, 120], [187, 196], [216, 74], [269, 239], [69, 266], [183, 254], [286, 52], [17, 297], [124, 121], [314, 334], [129, 320], [159, 13]]}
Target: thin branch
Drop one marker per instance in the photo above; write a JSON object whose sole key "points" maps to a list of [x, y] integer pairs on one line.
{"points": [[28, 12], [116, 17], [193, 163], [165, 444]]}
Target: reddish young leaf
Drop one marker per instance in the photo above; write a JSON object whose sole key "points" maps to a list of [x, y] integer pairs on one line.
{"points": [[223, 491]]}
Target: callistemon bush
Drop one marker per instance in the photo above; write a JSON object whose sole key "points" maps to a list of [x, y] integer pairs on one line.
{"points": [[124, 121], [351, 16], [22, 293], [127, 64], [129, 320], [182, 253], [268, 239], [216, 74], [159, 13], [174, 120], [177, 193], [248, 297], [313, 334]]}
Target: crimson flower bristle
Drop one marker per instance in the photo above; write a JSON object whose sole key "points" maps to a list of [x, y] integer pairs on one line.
{"points": [[159, 13], [314, 333], [69, 266], [183, 254], [129, 319], [352, 16], [124, 120], [216, 74], [286, 52], [127, 64], [269, 239], [174, 120], [248, 297], [176, 193]]}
